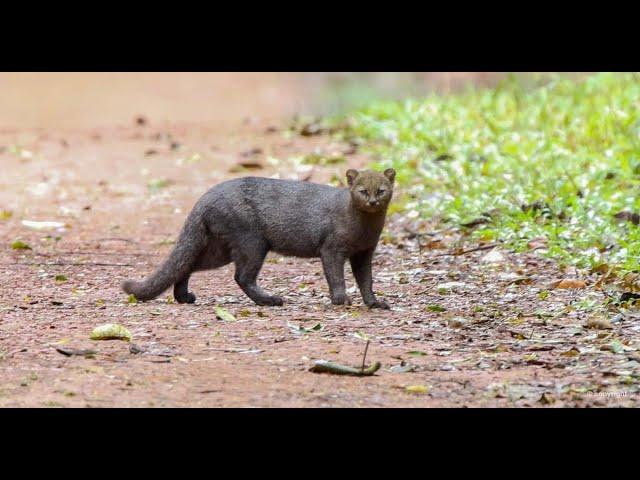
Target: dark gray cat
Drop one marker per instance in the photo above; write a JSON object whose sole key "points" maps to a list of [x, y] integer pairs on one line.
{"points": [[241, 220]]}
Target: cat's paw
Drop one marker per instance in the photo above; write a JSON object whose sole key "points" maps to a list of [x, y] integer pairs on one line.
{"points": [[188, 298], [380, 304], [341, 300], [277, 301], [270, 302]]}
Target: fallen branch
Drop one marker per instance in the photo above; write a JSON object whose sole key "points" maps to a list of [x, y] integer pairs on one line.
{"points": [[70, 264], [116, 239], [414, 233], [324, 366], [430, 287], [464, 252], [72, 252], [70, 352]]}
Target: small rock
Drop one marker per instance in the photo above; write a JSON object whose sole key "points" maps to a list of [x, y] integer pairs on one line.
{"points": [[403, 368], [135, 349], [457, 322], [452, 285], [568, 283], [617, 318], [43, 225], [494, 256], [599, 324]]}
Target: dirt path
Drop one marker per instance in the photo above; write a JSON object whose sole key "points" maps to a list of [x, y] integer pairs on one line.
{"points": [[124, 193], [92, 99]]}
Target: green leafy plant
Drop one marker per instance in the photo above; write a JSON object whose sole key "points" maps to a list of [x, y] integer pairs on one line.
{"points": [[558, 162]]}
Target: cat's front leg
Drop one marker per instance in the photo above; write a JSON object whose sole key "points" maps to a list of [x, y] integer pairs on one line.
{"points": [[333, 264], [361, 267]]}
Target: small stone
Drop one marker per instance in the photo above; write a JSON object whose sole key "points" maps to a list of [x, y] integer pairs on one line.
{"points": [[457, 322], [599, 324], [494, 256]]}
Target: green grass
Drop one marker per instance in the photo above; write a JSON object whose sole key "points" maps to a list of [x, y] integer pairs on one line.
{"points": [[572, 146]]}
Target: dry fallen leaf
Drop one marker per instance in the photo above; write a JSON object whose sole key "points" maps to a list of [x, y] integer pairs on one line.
{"points": [[435, 245], [420, 389], [573, 352], [111, 331], [634, 356], [568, 283], [222, 314], [547, 399], [538, 242], [246, 165], [20, 245], [599, 323]]}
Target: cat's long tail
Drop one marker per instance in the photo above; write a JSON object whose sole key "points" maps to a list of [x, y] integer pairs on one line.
{"points": [[179, 264]]}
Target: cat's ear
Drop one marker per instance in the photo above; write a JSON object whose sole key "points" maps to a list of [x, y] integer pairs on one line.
{"points": [[390, 173], [351, 176]]}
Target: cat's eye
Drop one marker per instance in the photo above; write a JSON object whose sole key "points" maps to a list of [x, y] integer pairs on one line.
{"points": [[381, 192], [363, 192]]}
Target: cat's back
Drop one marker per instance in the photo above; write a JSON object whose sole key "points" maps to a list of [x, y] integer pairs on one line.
{"points": [[276, 191], [273, 199], [263, 185]]}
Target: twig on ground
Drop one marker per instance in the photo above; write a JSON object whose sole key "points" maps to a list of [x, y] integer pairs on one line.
{"points": [[364, 356], [413, 234], [430, 287], [116, 239], [71, 252], [464, 252], [70, 264]]}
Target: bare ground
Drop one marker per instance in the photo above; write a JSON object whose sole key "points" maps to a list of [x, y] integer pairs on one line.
{"points": [[511, 348]]}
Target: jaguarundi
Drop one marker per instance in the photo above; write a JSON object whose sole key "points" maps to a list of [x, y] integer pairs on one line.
{"points": [[241, 220]]}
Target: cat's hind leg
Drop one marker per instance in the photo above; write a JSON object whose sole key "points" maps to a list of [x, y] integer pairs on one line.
{"points": [[248, 260], [181, 291], [214, 256]]}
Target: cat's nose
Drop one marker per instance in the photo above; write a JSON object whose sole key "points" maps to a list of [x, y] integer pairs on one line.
{"points": [[373, 203]]}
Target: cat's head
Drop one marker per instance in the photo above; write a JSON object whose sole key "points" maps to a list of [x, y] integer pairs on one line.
{"points": [[371, 191]]}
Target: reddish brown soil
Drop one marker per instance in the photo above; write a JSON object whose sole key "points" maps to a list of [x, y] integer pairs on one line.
{"points": [[514, 349]]}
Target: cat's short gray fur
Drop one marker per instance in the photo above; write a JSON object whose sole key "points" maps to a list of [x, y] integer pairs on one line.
{"points": [[241, 220]]}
